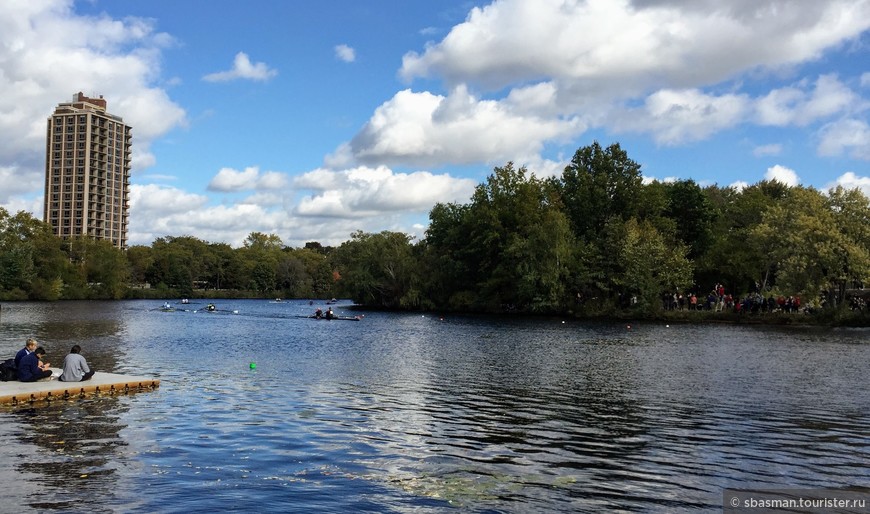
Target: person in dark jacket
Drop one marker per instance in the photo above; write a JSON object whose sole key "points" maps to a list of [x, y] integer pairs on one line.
{"points": [[29, 347], [29, 370]]}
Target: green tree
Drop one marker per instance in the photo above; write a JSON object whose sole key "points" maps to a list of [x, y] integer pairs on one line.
{"points": [[450, 280], [736, 257], [806, 244], [652, 265], [261, 254], [21, 235], [519, 242], [261, 241], [107, 268], [851, 213], [599, 184], [178, 263], [692, 214], [140, 258], [223, 268], [377, 269]]}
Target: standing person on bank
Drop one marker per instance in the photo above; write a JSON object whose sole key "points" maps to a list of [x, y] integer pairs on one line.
{"points": [[29, 369], [75, 367]]}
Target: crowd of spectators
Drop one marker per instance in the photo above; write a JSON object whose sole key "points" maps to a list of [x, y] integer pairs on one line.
{"points": [[719, 300]]}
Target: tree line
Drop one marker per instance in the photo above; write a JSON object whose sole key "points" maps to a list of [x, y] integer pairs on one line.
{"points": [[594, 241]]}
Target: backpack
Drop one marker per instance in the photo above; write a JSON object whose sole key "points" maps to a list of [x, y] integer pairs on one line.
{"points": [[8, 371]]}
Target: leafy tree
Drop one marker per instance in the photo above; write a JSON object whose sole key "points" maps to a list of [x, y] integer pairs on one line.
{"points": [[446, 255], [652, 265], [518, 241], [261, 241], [260, 255], [851, 213], [178, 263], [377, 269], [805, 243], [736, 257], [223, 269], [543, 257], [54, 273], [599, 184], [692, 214], [107, 269], [299, 270], [140, 259], [653, 205], [17, 235]]}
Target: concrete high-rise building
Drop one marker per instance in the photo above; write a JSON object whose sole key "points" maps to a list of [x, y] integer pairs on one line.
{"points": [[87, 171]]}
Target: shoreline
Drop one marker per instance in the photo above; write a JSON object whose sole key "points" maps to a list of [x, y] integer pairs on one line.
{"points": [[824, 318]]}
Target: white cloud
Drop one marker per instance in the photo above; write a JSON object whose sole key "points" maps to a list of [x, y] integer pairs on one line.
{"points": [[634, 66], [337, 204], [850, 180], [765, 150], [795, 106], [625, 47], [847, 135], [865, 79], [783, 175], [739, 185], [153, 199], [345, 53], [243, 68], [158, 211], [228, 180], [368, 192], [49, 53], [18, 181], [675, 117], [424, 129]]}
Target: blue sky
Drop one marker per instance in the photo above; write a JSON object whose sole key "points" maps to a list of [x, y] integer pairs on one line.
{"points": [[312, 120]]}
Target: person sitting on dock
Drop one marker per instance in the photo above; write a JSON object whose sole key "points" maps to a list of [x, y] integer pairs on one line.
{"points": [[29, 347], [75, 367], [40, 355], [29, 369]]}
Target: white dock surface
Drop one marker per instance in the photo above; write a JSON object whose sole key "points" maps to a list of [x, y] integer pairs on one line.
{"points": [[101, 383]]}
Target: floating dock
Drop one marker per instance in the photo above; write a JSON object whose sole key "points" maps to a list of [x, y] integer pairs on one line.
{"points": [[109, 384]]}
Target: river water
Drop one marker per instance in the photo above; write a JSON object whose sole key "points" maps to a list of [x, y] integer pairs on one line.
{"points": [[412, 413]]}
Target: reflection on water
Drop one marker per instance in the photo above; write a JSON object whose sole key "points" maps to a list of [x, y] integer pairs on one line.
{"points": [[409, 412], [95, 326]]}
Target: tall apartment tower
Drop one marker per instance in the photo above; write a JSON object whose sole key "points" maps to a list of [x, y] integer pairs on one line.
{"points": [[87, 171]]}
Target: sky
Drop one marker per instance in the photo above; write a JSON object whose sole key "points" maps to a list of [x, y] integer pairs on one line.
{"points": [[314, 120]]}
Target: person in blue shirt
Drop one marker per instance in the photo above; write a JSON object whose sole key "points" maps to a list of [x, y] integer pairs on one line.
{"points": [[29, 369], [29, 347]]}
